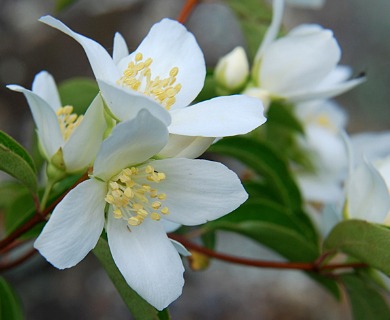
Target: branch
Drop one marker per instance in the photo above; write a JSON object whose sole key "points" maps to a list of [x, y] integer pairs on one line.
{"points": [[16, 262], [38, 217], [187, 9], [305, 266]]}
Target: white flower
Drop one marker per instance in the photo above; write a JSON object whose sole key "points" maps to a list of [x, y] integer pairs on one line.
{"points": [[168, 70], [323, 142], [232, 70], [368, 196], [137, 192], [301, 66], [68, 140]]}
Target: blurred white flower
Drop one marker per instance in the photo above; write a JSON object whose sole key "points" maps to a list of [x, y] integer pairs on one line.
{"points": [[67, 140], [300, 66], [323, 122], [138, 192]]}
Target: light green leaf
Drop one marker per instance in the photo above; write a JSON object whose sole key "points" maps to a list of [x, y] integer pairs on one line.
{"points": [[365, 298], [254, 17], [369, 243], [138, 307], [78, 93], [63, 4], [10, 307], [16, 161]]}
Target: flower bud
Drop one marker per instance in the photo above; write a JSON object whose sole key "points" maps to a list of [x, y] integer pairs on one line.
{"points": [[232, 70]]}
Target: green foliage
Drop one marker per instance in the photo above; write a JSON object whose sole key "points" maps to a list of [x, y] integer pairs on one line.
{"points": [[365, 298], [267, 163], [281, 114], [10, 307], [16, 161], [138, 307], [78, 93], [254, 17], [63, 4], [364, 241]]}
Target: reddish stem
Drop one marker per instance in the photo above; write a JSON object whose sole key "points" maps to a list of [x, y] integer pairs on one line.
{"points": [[37, 218], [187, 10], [307, 266], [16, 262]]}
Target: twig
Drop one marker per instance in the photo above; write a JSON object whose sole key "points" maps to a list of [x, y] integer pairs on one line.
{"points": [[16, 262], [187, 10]]}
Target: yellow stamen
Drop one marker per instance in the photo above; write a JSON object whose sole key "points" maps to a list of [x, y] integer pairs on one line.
{"points": [[68, 121], [138, 77]]}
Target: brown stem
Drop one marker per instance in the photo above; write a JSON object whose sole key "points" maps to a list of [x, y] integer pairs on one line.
{"points": [[16, 262], [307, 266], [187, 10], [38, 217]]}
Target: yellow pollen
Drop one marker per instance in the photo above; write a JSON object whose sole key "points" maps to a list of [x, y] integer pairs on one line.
{"points": [[68, 121], [138, 77], [133, 198]]}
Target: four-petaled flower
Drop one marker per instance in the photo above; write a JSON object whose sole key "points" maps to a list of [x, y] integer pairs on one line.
{"points": [[167, 70], [69, 141], [129, 193]]}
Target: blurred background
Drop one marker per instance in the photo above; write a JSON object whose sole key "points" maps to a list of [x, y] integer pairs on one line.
{"points": [[223, 291]]}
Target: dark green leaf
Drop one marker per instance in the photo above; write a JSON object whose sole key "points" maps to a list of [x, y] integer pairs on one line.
{"points": [[10, 307], [138, 307], [209, 240], [329, 284], [164, 314], [9, 191], [366, 242], [78, 93], [266, 162], [209, 88], [254, 17], [365, 298], [16, 161]]}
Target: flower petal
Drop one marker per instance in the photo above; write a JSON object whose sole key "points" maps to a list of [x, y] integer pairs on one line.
{"points": [[45, 119], [325, 92], [170, 45], [125, 104], [218, 117], [75, 225], [299, 60], [101, 62], [130, 143], [180, 248], [185, 146], [198, 190], [367, 194], [120, 48], [81, 148], [147, 260], [45, 87]]}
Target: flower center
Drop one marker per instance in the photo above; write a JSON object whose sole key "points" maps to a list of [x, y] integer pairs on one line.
{"points": [[68, 121], [138, 77], [132, 196]]}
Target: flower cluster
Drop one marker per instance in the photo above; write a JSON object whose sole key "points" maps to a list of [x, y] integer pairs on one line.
{"points": [[144, 179]]}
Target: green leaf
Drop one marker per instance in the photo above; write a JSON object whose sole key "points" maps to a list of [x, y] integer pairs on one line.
{"points": [[369, 243], [266, 162], [365, 298], [16, 161], [9, 191], [254, 16], [282, 114], [209, 88], [138, 307], [19, 212], [78, 93], [63, 4], [10, 306]]}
